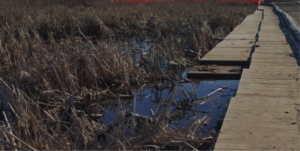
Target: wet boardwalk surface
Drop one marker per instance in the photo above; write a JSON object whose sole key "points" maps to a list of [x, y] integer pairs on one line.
{"points": [[265, 113]]}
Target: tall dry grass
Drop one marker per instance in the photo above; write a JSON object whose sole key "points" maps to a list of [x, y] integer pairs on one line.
{"points": [[60, 61]]}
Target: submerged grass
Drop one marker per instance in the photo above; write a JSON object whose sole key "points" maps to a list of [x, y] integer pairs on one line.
{"points": [[60, 62]]}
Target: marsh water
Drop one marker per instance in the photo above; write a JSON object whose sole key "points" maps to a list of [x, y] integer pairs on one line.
{"points": [[193, 99], [208, 98]]}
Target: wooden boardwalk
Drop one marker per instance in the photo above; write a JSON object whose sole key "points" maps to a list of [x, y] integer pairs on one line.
{"points": [[235, 50], [237, 46], [265, 113]]}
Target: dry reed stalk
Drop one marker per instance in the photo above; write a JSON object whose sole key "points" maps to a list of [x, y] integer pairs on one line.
{"points": [[61, 62]]}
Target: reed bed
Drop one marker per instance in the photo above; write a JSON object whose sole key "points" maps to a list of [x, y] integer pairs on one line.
{"points": [[62, 61]]}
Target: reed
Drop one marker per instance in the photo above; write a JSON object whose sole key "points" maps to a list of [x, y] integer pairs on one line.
{"points": [[61, 62]]}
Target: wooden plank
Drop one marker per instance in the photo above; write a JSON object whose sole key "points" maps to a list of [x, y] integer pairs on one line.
{"points": [[258, 144], [230, 56], [236, 43], [273, 47], [278, 49], [267, 28], [245, 29], [226, 57], [266, 65], [274, 51], [275, 71], [268, 87], [294, 101], [271, 36], [240, 36], [273, 21], [270, 81], [270, 67], [286, 94], [266, 123], [262, 124], [264, 128], [257, 12], [292, 61], [259, 126], [267, 73], [279, 55], [229, 51], [273, 56], [203, 71], [271, 44], [270, 77], [251, 20]]}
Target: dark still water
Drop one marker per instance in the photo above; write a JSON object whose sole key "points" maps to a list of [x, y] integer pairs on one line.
{"points": [[192, 101]]}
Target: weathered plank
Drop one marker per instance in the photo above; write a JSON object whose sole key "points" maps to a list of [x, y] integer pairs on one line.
{"points": [[265, 114], [203, 71], [272, 36], [235, 49], [262, 126], [280, 55], [230, 51], [236, 44], [240, 36], [265, 66], [269, 81]]}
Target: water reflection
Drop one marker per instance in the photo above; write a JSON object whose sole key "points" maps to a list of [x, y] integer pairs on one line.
{"points": [[192, 101]]}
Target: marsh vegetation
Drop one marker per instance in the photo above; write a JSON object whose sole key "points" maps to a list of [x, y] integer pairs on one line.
{"points": [[63, 63]]}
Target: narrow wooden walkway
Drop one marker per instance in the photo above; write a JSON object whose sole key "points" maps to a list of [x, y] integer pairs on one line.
{"points": [[227, 58], [236, 47], [265, 113]]}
